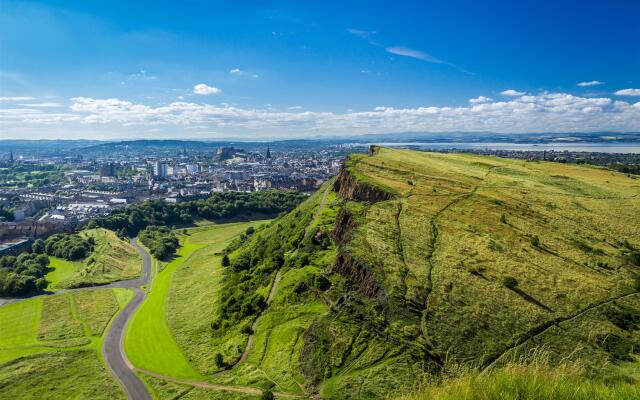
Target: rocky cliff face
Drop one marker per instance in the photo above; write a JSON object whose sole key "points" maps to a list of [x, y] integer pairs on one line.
{"points": [[349, 187]]}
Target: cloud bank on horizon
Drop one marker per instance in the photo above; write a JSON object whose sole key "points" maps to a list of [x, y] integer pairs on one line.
{"points": [[514, 112]]}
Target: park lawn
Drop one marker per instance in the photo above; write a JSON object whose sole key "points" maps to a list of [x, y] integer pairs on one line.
{"points": [[60, 375], [59, 270], [65, 321], [50, 345], [195, 286], [148, 343], [112, 259]]}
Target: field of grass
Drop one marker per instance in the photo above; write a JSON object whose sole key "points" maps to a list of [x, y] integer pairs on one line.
{"points": [[165, 336], [59, 375], [112, 260], [50, 345]]}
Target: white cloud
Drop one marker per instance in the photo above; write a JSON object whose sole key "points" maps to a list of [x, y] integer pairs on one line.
{"points": [[17, 98], [255, 76], [542, 112], [205, 90], [235, 71], [407, 52], [628, 92], [480, 100], [590, 83], [511, 92], [295, 108], [43, 105]]}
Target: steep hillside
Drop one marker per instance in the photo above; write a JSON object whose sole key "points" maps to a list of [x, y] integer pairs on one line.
{"points": [[408, 261]]}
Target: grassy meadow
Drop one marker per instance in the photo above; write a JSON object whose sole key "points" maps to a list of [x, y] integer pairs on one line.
{"points": [[165, 335], [113, 259], [50, 345]]}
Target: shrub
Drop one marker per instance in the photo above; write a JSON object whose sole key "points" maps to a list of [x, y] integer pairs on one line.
{"points": [[219, 360], [225, 261], [510, 282], [535, 241]]}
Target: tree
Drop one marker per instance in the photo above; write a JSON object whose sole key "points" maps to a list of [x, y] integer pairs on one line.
{"points": [[38, 246], [225, 261]]}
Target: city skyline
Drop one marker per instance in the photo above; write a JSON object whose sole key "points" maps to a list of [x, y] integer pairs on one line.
{"points": [[286, 70]]}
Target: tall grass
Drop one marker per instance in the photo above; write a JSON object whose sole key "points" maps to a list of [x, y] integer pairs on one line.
{"points": [[523, 380]]}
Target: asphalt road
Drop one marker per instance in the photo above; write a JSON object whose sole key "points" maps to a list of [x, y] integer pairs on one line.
{"points": [[112, 347]]}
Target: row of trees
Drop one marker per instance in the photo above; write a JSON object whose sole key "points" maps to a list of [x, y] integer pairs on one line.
{"points": [[23, 274], [136, 217]]}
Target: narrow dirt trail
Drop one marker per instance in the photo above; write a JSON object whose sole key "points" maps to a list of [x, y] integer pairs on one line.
{"points": [[318, 211], [247, 348]]}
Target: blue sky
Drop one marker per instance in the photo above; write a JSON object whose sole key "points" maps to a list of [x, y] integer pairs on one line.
{"points": [[204, 69]]}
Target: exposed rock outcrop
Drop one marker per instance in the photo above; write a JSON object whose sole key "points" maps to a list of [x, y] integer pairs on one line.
{"points": [[349, 187], [359, 275]]}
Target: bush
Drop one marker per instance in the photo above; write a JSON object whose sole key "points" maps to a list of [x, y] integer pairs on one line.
{"points": [[219, 360], [535, 241], [225, 261], [510, 282]]}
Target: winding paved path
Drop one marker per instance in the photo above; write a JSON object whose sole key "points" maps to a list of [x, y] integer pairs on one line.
{"points": [[113, 345]]}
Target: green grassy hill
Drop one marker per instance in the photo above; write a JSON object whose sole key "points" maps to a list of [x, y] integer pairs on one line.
{"points": [[408, 262], [112, 259]]}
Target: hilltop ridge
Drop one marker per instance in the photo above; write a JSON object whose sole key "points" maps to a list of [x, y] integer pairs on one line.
{"points": [[407, 261]]}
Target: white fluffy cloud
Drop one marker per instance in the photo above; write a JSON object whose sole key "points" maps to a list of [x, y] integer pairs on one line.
{"points": [[511, 92], [235, 71], [542, 112], [590, 83], [205, 90], [480, 100], [628, 92]]}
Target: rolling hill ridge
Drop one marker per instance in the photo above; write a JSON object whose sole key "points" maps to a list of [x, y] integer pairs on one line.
{"points": [[409, 261]]}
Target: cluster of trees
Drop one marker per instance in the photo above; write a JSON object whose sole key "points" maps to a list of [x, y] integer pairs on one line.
{"points": [[160, 240], [22, 274], [131, 220], [69, 246]]}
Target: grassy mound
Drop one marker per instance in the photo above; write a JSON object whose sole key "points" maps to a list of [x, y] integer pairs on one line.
{"points": [[112, 259]]}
